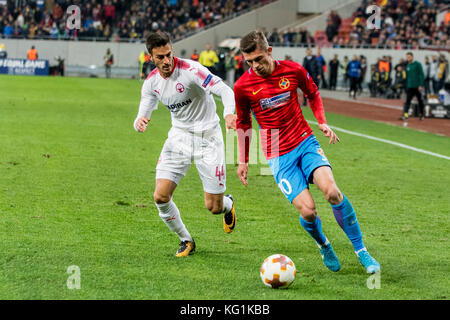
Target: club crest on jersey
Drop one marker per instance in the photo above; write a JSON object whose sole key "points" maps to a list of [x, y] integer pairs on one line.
{"points": [[179, 87], [276, 101], [284, 83]]}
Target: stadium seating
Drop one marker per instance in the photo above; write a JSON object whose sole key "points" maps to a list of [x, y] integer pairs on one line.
{"points": [[400, 27], [117, 20]]}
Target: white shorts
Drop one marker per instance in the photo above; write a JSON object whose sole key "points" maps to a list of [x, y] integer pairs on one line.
{"points": [[205, 149]]}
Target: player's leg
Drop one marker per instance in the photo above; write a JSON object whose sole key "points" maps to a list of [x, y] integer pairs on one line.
{"points": [[311, 222], [294, 186], [209, 157], [172, 167], [222, 204], [169, 213], [345, 215]]}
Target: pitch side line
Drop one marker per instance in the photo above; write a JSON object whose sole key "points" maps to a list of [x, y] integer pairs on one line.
{"points": [[369, 103], [401, 145]]}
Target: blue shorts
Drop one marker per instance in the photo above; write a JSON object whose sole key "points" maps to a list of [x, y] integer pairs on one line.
{"points": [[293, 171]]}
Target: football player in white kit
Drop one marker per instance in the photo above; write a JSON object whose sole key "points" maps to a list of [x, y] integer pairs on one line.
{"points": [[185, 87]]}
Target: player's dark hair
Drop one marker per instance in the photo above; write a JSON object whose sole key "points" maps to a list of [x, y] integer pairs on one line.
{"points": [[252, 41], [409, 53], [157, 39]]}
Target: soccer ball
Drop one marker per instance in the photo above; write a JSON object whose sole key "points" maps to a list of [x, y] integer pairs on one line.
{"points": [[278, 271]]}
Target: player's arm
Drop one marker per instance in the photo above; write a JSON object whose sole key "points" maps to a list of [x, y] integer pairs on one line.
{"points": [[149, 103], [309, 88], [244, 133], [227, 95]]}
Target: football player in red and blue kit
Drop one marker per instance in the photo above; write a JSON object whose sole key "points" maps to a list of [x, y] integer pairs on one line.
{"points": [[269, 91]]}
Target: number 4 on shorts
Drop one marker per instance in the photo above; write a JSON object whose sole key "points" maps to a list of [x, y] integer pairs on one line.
{"points": [[220, 173]]}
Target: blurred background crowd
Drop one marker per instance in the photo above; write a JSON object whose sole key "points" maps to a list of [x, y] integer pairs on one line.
{"points": [[404, 24], [117, 20]]}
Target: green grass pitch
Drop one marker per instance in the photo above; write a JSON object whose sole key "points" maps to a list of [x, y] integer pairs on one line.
{"points": [[76, 185]]}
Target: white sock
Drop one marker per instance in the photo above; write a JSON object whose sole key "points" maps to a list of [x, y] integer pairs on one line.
{"points": [[227, 204], [170, 214]]}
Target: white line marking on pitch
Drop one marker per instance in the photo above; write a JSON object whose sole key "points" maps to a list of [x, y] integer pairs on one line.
{"points": [[401, 145]]}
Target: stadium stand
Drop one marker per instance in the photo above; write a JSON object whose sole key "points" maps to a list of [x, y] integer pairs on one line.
{"points": [[117, 20], [404, 25]]}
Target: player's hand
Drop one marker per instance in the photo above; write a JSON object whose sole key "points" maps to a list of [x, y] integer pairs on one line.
{"points": [[242, 173], [420, 89], [230, 122], [329, 133], [141, 124]]}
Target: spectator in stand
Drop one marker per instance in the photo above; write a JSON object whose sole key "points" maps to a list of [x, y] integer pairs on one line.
{"points": [[331, 31], [177, 17], [8, 30], [334, 68], [335, 19], [400, 26], [109, 13], [54, 31]]}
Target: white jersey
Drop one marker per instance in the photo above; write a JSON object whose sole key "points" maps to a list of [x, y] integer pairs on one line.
{"points": [[187, 95]]}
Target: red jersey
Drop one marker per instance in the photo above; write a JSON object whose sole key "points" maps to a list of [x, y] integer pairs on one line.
{"points": [[273, 100]]}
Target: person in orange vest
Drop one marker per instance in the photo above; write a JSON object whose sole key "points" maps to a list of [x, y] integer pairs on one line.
{"points": [[32, 54], [195, 56]]}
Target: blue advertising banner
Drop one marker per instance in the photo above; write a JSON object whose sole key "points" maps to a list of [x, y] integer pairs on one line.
{"points": [[24, 67]]}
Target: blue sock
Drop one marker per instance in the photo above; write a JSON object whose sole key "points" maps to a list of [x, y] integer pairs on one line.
{"points": [[346, 218], [314, 229]]}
